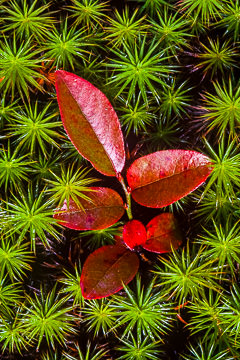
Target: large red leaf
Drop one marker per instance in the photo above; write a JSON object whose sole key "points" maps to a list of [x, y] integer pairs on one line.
{"points": [[105, 209], [134, 233], [163, 234], [90, 122], [106, 269], [161, 178]]}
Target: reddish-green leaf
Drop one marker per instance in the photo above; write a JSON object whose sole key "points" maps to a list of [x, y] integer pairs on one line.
{"points": [[161, 178], [105, 209], [134, 233], [163, 234], [106, 269], [90, 122]]}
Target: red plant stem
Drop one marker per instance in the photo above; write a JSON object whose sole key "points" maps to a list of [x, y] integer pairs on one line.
{"points": [[127, 192]]}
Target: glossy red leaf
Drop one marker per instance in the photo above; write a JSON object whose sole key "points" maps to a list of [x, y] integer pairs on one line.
{"points": [[161, 178], [106, 269], [105, 209], [163, 234], [134, 234], [90, 122]]}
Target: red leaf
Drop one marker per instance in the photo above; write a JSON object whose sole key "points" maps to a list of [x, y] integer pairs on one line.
{"points": [[105, 210], [161, 178], [163, 234], [134, 234], [90, 122], [106, 269]]}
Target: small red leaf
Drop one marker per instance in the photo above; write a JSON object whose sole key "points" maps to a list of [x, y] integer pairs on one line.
{"points": [[134, 234], [91, 123], [163, 234], [161, 178], [106, 269], [105, 209]]}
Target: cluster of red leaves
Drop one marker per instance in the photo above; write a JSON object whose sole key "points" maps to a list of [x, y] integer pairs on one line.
{"points": [[155, 180]]}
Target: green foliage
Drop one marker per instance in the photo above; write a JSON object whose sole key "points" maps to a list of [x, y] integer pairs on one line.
{"points": [[47, 316], [100, 316], [144, 311], [65, 46], [125, 29], [223, 245], [19, 67], [70, 185], [27, 19], [34, 128], [218, 57], [175, 99], [207, 351], [141, 349], [32, 216], [136, 117], [164, 134], [13, 336], [186, 274], [72, 288], [15, 259], [206, 10], [90, 354], [137, 69], [226, 169], [13, 168], [231, 18], [171, 31], [89, 12], [222, 109], [10, 295]]}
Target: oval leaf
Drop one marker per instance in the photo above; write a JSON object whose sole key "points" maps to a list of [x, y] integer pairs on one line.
{"points": [[161, 178], [90, 122], [106, 269], [134, 233], [105, 209], [163, 234]]}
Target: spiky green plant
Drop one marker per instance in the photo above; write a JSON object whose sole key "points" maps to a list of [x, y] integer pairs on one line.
{"points": [[19, 67], [142, 349], [13, 338], [34, 128], [100, 316], [165, 133], [90, 353], [13, 167], [136, 116], [207, 351], [10, 295], [175, 99], [26, 19], [71, 184], [71, 286], [216, 58], [125, 29], [223, 244], [221, 110], [30, 215], [15, 258], [171, 30], [186, 274], [231, 18], [151, 7], [206, 10], [66, 46], [144, 311], [89, 13], [207, 317], [226, 169], [98, 238], [48, 317], [138, 69]]}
